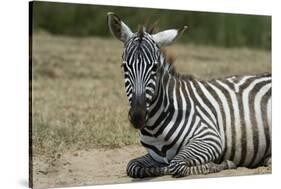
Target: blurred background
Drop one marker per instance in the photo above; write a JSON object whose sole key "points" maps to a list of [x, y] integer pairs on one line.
{"points": [[226, 30]]}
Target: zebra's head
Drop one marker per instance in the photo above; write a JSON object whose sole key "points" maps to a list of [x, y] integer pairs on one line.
{"points": [[141, 61]]}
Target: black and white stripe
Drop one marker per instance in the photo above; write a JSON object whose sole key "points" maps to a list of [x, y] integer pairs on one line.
{"points": [[192, 126]]}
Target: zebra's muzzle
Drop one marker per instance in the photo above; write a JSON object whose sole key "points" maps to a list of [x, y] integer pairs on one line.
{"points": [[137, 117], [137, 112]]}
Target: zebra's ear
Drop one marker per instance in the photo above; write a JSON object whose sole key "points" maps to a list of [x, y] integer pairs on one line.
{"points": [[118, 28], [166, 37]]}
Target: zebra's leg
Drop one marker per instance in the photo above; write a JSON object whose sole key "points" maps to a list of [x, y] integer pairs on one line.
{"points": [[181, 168], [146, 166], [198, 157]]}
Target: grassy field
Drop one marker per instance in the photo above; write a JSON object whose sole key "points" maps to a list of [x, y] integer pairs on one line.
{"points": [[78, 98]]}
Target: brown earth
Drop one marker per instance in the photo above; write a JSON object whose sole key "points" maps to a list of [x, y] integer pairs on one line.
{"points": [[104, 166]]}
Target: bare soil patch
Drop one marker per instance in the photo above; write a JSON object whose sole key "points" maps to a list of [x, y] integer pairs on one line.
{"points": [[105, 166]]}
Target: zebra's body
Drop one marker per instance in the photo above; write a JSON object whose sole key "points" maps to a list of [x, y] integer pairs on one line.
{"points": [[222, 107], [190, 126]]}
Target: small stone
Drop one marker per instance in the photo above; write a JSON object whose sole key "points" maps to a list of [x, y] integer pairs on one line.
{"points": [[76, 154], [43, 172]]}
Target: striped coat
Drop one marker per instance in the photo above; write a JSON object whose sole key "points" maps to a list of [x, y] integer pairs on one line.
{"points": [[190, 126], [237, 110]]}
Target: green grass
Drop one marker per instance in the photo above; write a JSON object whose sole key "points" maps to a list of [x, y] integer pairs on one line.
{"points": [[78, 96]]}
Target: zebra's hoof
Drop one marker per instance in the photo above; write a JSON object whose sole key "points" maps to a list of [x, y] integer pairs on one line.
{"points": [[133, 169]]}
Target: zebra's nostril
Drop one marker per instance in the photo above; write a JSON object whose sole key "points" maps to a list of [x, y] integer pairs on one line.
{"points": [[137, 118]]}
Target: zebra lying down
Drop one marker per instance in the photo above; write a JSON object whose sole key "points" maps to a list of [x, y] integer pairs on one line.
{"points": [[189, 126]]}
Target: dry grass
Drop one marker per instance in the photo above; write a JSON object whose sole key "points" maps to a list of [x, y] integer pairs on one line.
{"points": [[78, 98]]}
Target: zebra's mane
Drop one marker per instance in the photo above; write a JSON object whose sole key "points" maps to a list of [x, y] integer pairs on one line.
{"points": [[169, 65], [148, 28]]}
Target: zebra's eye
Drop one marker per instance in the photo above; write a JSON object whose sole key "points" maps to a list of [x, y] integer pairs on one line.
{"points": [[155, 66]]}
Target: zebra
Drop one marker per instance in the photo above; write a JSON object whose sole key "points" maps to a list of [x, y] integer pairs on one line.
{"points": [[189, 126]]}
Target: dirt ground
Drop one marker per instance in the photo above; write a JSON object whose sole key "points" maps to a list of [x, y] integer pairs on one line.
{"points": [[74, 89], [100, 166]]}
